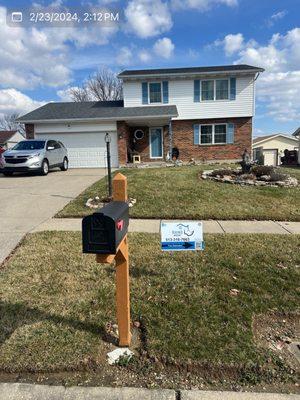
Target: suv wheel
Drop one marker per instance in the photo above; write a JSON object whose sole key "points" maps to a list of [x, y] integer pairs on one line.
{"points": [[65, 165], [45, 168]]}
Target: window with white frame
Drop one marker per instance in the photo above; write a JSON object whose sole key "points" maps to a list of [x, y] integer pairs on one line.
{"points": [[213, 134], [215, 89], [155, 95]]}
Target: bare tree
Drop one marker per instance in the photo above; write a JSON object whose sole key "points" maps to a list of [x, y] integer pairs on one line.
{"points": [[103, 85], [8, 123]]}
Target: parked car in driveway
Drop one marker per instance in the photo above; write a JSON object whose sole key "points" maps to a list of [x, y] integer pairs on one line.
{"points": [[35, 155]]}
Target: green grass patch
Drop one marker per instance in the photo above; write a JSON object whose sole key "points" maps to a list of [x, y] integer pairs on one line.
{"points": [[55, 301], [178, 193]]}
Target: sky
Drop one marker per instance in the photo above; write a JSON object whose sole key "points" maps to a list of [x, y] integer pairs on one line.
{"points": [[39, 64]]}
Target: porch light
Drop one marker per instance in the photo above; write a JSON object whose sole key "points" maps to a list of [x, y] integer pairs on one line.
{"points": [[107, 138]]}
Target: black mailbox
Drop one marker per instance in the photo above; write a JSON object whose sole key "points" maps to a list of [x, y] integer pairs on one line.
{"points": [[103, 231]]}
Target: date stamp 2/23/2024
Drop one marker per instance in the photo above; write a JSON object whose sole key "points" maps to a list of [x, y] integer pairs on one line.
{"points": [[62, 17]]}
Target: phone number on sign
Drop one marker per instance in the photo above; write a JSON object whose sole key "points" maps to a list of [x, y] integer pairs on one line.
{"points": [[63, 17]]}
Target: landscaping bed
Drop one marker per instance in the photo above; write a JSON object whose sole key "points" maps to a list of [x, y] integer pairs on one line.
{"points": [[193, 312], [178, 192]]}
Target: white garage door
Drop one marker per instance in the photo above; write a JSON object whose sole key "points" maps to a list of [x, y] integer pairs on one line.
{"points": [[86, 149], [270, 157]]}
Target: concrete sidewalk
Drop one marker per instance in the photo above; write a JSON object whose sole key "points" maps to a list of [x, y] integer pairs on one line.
{"points": [[22, 391], [152, 226]]}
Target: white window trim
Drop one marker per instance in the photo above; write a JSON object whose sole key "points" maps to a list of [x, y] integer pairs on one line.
{"points": [[213, 135], [161, 93], [215, 90], [162, 142]]}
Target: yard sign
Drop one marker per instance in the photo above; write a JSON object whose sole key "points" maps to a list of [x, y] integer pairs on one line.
{"points": [[181, 235]]}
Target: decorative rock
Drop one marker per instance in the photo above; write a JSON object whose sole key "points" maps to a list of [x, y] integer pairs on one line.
{"points": [[114, 356]]}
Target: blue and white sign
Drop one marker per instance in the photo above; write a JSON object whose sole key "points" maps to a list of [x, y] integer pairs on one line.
{"points": [[181, 235]]}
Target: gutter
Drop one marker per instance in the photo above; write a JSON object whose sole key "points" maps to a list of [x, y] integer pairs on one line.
{"points": [[169, 75], [37, 121]]}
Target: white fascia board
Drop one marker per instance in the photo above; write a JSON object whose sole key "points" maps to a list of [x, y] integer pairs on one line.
{"points": [[41, 121], [191, 74], [273, 137]]}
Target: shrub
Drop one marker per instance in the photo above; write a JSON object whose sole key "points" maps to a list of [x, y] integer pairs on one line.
{"points": [[276, 176], [260, 170], [223, 172]]}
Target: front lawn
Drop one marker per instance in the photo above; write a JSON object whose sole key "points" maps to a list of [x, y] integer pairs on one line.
{"points": [[56, 304], [178, 193]]}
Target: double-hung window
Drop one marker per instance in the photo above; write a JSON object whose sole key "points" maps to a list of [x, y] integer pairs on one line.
{"points": [[222, 89], [213, 134], [155, 95], [207, 90], [215, 89]]}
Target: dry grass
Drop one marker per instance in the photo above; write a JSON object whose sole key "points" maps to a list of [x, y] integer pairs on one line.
{"points": [[178, 193], [55, 302]]}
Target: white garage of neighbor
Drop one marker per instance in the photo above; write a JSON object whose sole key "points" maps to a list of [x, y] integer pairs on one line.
{"points": [[85, 142]]}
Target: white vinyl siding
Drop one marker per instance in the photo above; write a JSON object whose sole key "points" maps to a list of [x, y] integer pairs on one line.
{"points": [[181, 94]]}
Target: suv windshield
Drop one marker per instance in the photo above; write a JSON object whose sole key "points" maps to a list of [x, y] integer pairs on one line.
{"points": [[30, 145]]}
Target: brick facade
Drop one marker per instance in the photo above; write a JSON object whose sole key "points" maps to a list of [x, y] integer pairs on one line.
{"points": [[29, 129], [183, 139]]}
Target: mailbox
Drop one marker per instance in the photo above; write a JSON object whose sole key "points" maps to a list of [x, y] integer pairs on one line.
{"points": [[103, 231]]}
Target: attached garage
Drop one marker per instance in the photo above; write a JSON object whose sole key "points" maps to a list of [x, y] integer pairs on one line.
{"points": [[85, 142]]}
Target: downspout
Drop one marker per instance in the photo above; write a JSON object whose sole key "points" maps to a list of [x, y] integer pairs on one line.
{"points": [[170, 139]]}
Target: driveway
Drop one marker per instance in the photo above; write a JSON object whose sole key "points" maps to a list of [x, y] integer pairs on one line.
{"points": [[27, 201]]}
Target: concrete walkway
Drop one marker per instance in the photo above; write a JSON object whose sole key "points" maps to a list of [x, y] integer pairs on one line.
{"points": [[152, 226], [21, 391]]}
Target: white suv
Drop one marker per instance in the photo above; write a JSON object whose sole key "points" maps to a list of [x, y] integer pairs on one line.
{"points": [[35, 155]]}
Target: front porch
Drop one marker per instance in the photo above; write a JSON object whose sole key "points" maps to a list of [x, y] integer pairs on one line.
{"points": [[150, 140]]}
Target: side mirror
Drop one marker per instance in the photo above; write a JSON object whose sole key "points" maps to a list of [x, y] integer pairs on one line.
{"points": [[50, 148]]}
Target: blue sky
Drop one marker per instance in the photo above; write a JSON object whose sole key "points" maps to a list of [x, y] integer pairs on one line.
{"points": [[40, 64]]}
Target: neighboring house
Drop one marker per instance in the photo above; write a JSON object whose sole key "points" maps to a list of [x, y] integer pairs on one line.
{"points": [[203, 113], [296, 134], [9, 138], [269, 149]]}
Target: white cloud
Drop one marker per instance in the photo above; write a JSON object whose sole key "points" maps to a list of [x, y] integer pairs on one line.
{"points": [[144, 56], [65, 94], [13, 101], [31, 57], [232, 43], [202, 5], [276, 17], [164, 47], [278, 88], [125, 56], [147, 18]]}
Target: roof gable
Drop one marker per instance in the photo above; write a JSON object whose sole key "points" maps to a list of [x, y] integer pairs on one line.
{"points": [[262, 139], [6, 135]]}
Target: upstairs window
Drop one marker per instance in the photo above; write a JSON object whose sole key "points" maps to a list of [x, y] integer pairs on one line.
{"points": [[155, 95], [207, 90], [215, 89], [222, 89]]}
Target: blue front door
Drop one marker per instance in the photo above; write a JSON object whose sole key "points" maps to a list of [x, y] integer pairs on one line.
{"points": [[156, 146]]}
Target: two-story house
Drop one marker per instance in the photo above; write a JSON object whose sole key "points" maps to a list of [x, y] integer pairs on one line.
{"points": [[203, 113]]}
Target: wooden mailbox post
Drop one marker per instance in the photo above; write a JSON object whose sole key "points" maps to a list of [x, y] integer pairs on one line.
{"points": [[122, 269]]}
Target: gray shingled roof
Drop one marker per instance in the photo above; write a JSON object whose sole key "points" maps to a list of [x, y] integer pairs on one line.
{"points": [[297, 132], [6, 135], [191, 70], [96, 110]]}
